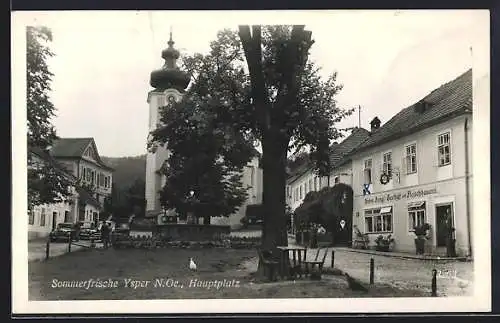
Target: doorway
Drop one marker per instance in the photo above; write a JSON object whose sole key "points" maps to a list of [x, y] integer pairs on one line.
{"points": [[343, 234], [343, 208], [54, 220], [444, 220]]}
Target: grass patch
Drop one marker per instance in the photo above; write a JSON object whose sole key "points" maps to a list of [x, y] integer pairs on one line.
{"points": [[170, 265]]}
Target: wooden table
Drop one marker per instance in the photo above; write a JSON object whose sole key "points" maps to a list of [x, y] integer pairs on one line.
{"points": [[298, 256]]}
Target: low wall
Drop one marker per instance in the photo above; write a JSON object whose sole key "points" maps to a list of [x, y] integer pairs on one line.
{"points": [[190, 232]]}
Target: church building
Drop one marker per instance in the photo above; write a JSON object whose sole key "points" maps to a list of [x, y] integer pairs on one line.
{"points": [[169, 85]]}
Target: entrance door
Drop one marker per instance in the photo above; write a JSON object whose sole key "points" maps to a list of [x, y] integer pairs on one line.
{"points": [[444, 219], [54, 220], [344, 231]]}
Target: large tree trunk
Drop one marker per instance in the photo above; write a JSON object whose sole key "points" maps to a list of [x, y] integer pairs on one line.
{"points": [[275, 138], [274, 183]]}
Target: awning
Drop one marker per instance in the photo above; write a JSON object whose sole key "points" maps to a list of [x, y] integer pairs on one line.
{"points": [[386, 209], [416, 204]]}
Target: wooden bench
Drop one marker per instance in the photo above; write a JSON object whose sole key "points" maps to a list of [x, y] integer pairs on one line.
{"points": [[314, 268], [271, 265]]}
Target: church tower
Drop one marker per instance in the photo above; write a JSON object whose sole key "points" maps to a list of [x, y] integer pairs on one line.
{"points": [[169, 84]]}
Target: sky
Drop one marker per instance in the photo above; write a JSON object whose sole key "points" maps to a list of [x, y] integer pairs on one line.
{"points": [[386, 60]]}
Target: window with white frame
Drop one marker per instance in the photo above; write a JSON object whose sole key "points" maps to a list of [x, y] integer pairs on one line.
{"points": [[315, 183], [310, 184], [378, 220], [31, 216], [416, 215], [444, 153], [300, 192], [411, 158], [387, 163], [367, 171], [306, 188], [42, 218], [288, 192]]}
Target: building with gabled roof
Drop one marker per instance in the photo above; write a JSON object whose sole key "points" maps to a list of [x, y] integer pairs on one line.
{"points": [[304, 179], [417, 168], [80, 157], [81, 206]]}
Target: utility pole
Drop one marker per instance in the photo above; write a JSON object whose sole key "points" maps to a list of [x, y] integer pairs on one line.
{"points": [[359, 116]]}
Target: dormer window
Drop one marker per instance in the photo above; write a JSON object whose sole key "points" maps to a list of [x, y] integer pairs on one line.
{"points": [[422, 106]]}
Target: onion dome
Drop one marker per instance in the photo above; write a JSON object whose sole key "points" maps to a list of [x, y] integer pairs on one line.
{"points": [[170, 76]]}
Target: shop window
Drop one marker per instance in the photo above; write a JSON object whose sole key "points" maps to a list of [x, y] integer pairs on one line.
{"points": [[416, 215], [378, 220]]}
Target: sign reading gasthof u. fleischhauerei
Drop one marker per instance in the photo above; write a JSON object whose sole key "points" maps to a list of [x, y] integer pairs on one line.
{"points": [[404, 195]]}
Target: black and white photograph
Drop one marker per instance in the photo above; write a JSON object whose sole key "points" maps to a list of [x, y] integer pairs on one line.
{"points": [[251, 161]]}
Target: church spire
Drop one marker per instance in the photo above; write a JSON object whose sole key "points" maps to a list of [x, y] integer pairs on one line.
{"points": [[170, 76]]}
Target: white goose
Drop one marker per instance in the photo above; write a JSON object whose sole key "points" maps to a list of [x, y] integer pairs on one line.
{"points": [[192, 265], [462, 283]]}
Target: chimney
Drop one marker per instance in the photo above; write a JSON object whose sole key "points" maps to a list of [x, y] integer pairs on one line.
{"points": [[375, 124]]}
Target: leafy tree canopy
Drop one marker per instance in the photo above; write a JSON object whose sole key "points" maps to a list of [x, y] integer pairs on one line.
{"points": [[255, 85], [46, 184], [209, 147], [40, 109]]}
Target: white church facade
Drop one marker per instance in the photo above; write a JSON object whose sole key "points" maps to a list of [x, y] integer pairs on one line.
{"points": [[170, 83]]}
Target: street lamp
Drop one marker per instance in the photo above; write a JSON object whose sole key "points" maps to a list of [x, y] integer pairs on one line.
{"points": [[190, 213]]}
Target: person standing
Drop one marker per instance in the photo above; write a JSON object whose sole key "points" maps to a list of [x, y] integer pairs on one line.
{"points": [[105, 234]]}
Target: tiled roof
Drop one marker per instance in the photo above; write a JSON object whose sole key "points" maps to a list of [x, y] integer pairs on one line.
{"points": [[84, 195], [69, 147], [73, 148], [357, 137], [50, 160], [447, 101], [338, 151]]}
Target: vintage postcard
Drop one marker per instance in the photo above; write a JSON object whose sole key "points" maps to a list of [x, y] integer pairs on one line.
{"points": [[251, 162]]}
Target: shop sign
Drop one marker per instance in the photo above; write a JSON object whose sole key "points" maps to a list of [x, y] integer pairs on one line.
{"points": [[410, 194]]}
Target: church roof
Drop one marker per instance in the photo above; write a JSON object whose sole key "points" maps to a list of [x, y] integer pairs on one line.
{"points": [[170, 75]]}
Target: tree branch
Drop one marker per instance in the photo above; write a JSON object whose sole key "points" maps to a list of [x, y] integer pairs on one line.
{"points": [[253, 54]]}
